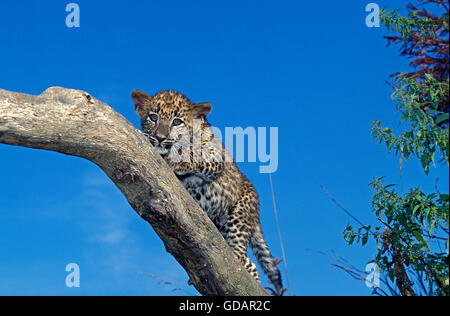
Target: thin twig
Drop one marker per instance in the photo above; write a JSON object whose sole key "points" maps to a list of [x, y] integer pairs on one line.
{"points": [[339, 205], [166, 282], [436, 186], [279, 234], [354, 272]]}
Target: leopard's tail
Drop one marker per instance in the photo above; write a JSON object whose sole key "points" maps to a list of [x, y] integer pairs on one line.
{"points": [[265, 259]]}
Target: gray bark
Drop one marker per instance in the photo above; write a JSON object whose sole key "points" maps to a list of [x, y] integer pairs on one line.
{"points": [[74, 123]]}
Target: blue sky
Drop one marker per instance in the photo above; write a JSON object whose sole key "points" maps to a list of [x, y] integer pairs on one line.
{"points": [[312, 69]]}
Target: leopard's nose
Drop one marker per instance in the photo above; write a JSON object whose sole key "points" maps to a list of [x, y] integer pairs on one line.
{"points": [[160, 139]]}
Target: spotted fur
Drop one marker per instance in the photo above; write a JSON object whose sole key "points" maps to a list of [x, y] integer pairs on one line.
{"points": [[172, 123]]}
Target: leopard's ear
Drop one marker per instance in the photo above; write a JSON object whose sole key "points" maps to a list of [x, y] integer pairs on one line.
{"points": [[200, 110], [141, 102]]}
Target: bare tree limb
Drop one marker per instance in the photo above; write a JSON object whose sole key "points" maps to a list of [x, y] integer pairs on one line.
{"points": [[74, 123]]}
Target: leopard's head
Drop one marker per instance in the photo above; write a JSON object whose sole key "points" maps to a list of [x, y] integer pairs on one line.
{"points": [[167, 118]]}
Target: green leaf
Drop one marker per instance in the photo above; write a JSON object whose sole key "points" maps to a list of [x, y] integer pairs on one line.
{"points": [[421, 240], [425, 160], [351, 238], [365, 239], [391, 275], [415, 209], [432, 223], [420, 267], [442, 118]]}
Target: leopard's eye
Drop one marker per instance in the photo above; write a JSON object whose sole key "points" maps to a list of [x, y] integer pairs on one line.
{"points": [[153, 117], [177, 122]]}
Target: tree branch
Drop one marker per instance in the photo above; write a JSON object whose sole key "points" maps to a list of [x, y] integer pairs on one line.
{"points": [[74, 123]]}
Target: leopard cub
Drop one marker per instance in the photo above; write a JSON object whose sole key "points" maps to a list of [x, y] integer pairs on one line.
{"points": [[180, 133]]}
